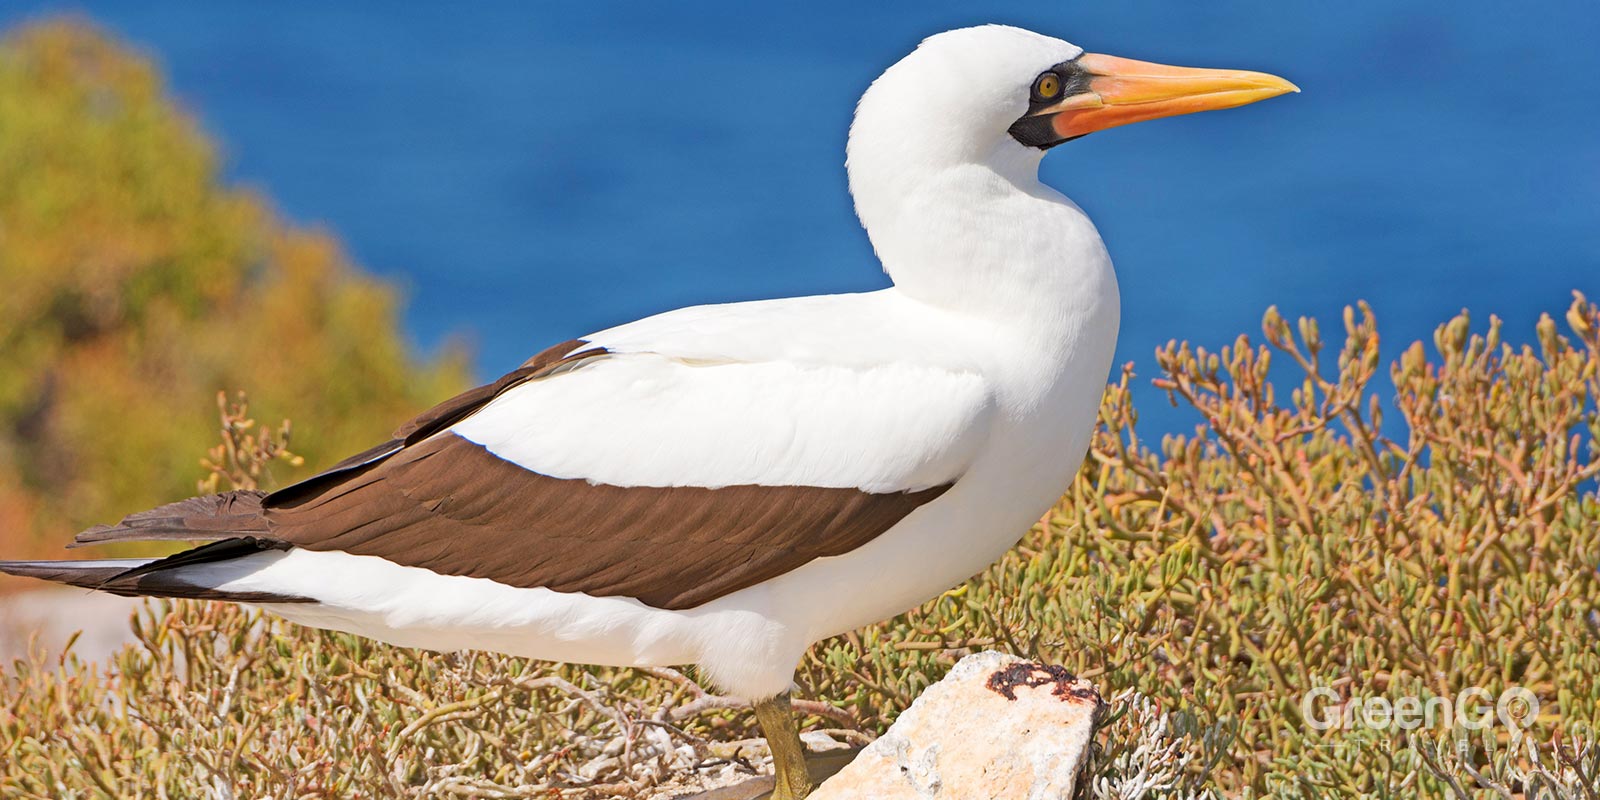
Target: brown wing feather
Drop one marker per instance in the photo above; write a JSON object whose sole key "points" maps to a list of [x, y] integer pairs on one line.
{"points": [[451, 506], [198, 519]]}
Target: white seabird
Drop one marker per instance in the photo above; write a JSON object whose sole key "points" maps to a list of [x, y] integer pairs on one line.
{"points": [[726, 485]]}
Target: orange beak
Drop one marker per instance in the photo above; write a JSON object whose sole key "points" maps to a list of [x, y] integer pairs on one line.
{"points": [[1122, 90]]}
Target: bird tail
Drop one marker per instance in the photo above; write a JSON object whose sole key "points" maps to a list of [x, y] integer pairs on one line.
{"points": [[231, 523], [119, 576], [87, 574]]}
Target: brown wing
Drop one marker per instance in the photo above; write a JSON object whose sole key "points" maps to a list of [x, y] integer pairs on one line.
{"points": [[451, 506], [428, 498]]}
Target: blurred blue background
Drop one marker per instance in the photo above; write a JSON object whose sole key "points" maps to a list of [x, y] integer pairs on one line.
{"points": [[534, 172]]}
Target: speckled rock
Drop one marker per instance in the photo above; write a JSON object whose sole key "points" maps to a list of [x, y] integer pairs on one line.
{"points": [[997, 726]]}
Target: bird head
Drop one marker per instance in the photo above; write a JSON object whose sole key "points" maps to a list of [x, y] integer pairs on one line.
{"points": [[965, 94]]}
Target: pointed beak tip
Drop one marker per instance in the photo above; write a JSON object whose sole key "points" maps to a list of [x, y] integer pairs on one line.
{"points": [[1269, 84]]}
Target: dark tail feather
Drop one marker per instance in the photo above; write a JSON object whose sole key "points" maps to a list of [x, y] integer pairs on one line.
{"points": [[198, 519], [231, 522], [88, 574], [152, 577]]}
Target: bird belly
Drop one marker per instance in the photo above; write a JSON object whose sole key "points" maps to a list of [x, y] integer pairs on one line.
{"points": [[414, 607]]}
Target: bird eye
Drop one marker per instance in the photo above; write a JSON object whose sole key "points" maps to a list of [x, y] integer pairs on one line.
{"points": [[1047, 86]]}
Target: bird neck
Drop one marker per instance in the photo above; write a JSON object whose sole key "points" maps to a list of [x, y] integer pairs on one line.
{"points": [[984, 236]]}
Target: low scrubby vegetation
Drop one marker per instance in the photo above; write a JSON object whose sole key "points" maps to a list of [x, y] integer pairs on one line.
{"points": [[1297, 539], [1408, 530]]}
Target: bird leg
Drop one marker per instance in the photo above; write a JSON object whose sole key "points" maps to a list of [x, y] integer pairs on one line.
{"points": [[788, 754]]}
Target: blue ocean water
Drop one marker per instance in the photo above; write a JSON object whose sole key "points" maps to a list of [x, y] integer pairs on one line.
{"points": [[532, 172]]}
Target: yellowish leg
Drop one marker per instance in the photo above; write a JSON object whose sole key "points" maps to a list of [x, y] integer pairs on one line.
{"points": [[788, 754]]}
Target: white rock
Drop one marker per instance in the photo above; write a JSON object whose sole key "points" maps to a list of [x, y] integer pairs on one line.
{"points": [[996, 727]]}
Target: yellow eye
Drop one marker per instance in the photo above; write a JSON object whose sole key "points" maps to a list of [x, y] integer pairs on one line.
{"points": [[1047, 86]]}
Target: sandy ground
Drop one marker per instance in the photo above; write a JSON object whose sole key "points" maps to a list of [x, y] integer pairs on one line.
{"points": [[51, 616]]}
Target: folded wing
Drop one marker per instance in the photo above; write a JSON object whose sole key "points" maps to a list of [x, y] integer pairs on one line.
{"points": [[637, 474]]}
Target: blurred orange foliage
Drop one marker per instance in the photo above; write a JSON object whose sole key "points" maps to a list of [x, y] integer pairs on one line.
{"points": [[134, 286]]}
